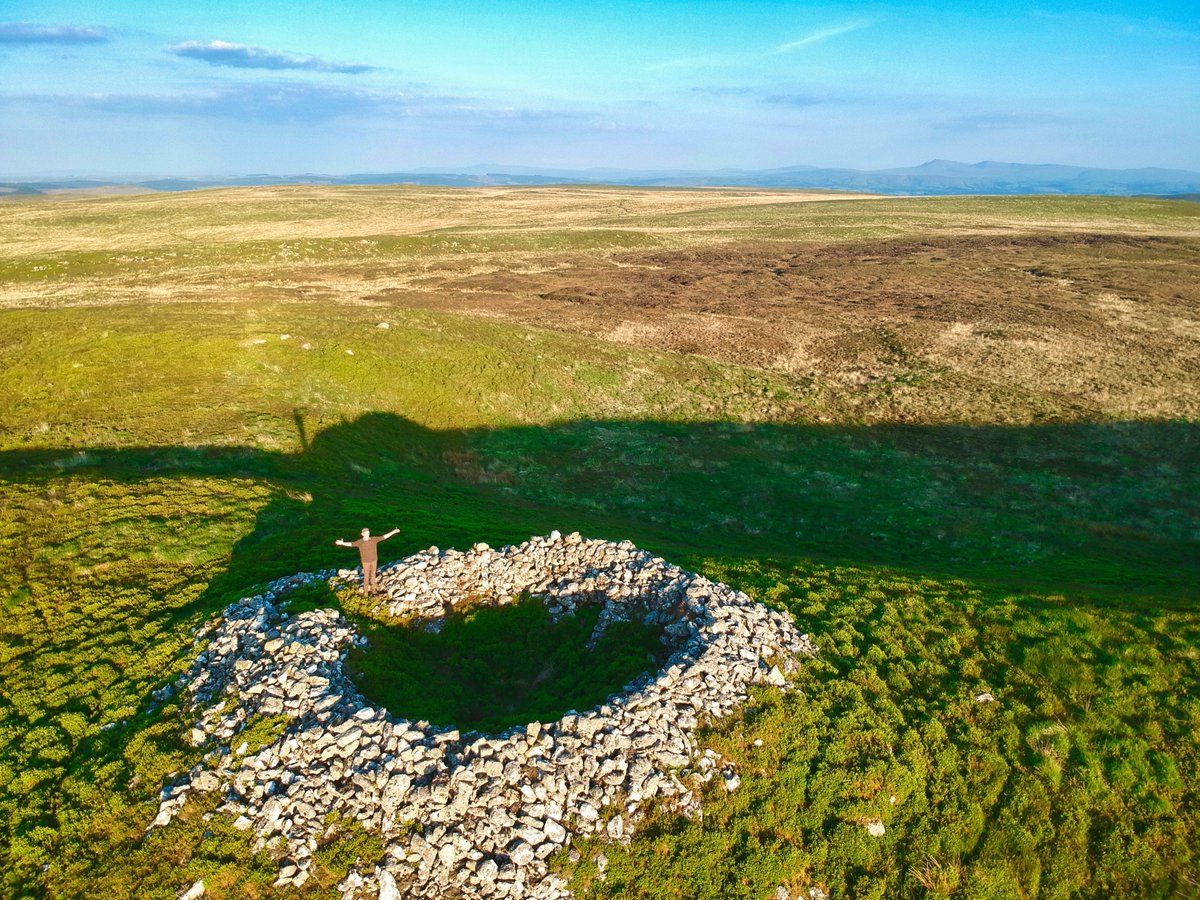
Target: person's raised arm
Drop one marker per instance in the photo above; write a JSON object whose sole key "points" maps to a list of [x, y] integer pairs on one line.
{"points": [[340, 543], [392, 533]]}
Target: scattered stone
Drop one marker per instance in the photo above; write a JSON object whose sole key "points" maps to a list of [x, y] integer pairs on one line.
{"points": [[194, 892], [984, 697], [521, 853], [388, 889], [493, 807], [487, 870], [875, 828]]}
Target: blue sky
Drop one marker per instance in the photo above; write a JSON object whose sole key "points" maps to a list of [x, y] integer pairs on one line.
{"points": [[136, 88]]}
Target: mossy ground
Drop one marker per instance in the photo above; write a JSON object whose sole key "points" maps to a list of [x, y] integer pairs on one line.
{"points": [[157, 462], [497, 666], [484, 667]]}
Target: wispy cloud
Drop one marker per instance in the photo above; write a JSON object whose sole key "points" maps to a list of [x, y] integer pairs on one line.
{"points": [[989, 122], [733, 59], [33, 33], [795, 100], [775, 95], [817, 37], [271, 102], [245, 56], [307, 104], [721, 90]]}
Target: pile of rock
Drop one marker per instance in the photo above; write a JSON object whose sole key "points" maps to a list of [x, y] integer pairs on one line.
{"points": [[471, 815]]}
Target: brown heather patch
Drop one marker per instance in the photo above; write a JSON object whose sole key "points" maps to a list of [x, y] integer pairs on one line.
{"points": [[898, 309], [1090, 324]]}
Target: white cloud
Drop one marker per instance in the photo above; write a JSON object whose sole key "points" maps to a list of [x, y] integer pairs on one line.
{"points": [[817, 37], [702, 62], [33, 33], [245, 56]]}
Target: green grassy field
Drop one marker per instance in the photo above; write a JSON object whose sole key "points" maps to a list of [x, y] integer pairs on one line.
{"points": [[159, 459]]}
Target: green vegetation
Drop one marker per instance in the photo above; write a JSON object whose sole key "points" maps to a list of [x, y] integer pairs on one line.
{"points": [[1081, 777], [493, 667], [863, 219], [152, 263], [158, 460], [482, 668]]}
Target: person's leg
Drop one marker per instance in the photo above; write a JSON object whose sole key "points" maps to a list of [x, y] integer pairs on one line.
{"points": [[369, 581]]}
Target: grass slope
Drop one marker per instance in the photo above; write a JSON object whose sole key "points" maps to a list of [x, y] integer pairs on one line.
{"points": [[156, 461]]}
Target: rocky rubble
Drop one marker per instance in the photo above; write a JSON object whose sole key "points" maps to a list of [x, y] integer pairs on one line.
{"points": [[467, 814]]}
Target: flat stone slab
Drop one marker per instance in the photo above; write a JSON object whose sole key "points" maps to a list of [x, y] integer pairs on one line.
{"points": [[491, 808]]}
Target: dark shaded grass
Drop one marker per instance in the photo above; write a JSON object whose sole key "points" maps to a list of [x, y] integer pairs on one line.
{"points": [[494, 667], [1108, 509]]}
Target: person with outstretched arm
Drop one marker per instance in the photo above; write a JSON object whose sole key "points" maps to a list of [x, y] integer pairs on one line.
{"points": [[369, 554]]}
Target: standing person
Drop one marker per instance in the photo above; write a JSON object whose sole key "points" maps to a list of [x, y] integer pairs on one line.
{"points": [[369, 554]]}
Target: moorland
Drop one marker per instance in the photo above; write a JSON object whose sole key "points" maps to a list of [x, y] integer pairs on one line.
{"points": [[955, 437]]}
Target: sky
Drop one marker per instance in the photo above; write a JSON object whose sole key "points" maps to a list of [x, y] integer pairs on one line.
{"points": [[140, 89]]}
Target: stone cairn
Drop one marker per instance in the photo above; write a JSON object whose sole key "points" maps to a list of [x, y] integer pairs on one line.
{"points": [[470, 815]]}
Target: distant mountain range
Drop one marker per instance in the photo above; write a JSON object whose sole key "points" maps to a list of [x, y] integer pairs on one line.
{"points": [[936, 177]]}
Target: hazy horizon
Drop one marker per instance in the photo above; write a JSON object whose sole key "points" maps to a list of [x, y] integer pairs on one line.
{"points": [[135, 177], [140, 90]]}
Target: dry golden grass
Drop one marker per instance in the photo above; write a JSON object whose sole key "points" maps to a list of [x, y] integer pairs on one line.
{"points": [[297, 212], [882, 309]]}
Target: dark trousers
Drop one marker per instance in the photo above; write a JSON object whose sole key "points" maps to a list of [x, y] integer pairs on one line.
{"points": [[370, 582]]}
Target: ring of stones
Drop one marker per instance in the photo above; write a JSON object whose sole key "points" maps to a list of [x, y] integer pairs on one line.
{"points": [[470, 814]]}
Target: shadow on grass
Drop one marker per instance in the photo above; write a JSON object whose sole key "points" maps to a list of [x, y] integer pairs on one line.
{"points": [[494, 667], [1102, 511], [1092, 508]]}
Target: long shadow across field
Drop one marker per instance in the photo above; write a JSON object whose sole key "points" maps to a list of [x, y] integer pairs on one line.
{"points": [[1096, 507]]}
